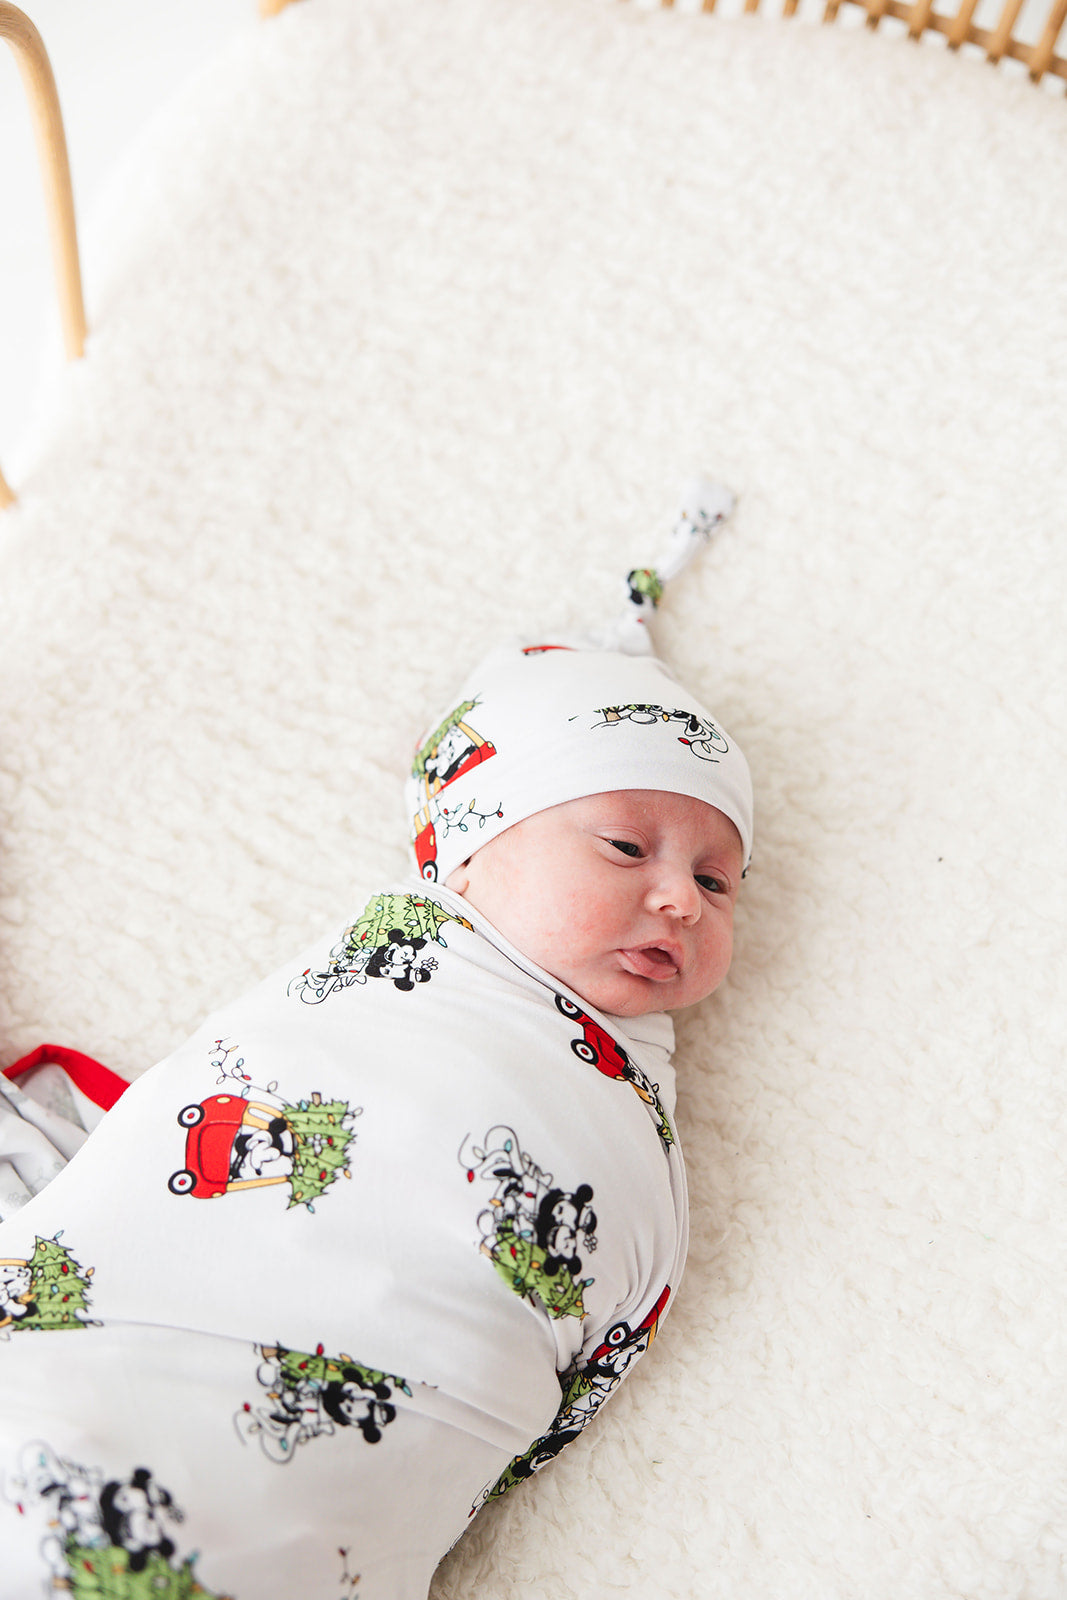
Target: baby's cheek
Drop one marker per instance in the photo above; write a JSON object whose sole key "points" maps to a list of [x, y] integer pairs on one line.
{"points": [[713, 966], [586, 920]]}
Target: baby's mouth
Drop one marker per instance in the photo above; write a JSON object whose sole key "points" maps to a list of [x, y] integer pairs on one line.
{"points": [[657, 961]]}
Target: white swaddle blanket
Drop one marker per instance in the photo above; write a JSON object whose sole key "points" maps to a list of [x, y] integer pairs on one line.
{"points": [[378, 1241], [370, 1247]]}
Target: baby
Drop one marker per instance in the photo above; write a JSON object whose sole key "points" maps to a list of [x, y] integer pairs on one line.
{"points": [[379, 1240]]}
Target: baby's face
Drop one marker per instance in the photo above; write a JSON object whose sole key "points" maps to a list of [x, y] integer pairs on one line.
{"points": [[627, 897]]}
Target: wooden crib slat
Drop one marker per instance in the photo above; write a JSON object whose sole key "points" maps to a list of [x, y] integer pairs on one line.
{"points": [[1001, 35], [920, 17], [1041, 57], [961, 23]]}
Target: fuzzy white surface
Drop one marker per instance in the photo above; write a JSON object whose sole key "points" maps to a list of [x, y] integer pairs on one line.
{"points": [[409, 320]]}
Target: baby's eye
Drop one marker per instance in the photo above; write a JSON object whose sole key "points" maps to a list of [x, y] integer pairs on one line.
{"points": [[627, 846], [713, 885]]}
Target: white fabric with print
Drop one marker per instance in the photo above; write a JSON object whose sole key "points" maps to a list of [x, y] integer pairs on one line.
{"points": [[537, 724], [371, 1247]]}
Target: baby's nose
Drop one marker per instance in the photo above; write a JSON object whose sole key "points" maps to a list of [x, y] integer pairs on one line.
{"points": [[676, 893]]}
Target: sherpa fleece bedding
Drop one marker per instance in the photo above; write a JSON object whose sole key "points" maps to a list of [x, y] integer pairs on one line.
{"points": [[410, 318]]}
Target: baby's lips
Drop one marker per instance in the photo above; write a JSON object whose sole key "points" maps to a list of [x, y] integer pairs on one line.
{"points": [[657, 962]]}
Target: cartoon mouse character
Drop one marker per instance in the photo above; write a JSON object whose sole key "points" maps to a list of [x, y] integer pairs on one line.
{"points": [[543, 1451], [70, 1492], [263, 1152], [444, 762], [16, 1296], [353, 1402], [563, 1222], [132, 1511], [401, 961]]}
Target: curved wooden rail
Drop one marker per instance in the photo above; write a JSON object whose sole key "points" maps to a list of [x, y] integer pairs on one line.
{"points": [[40, 86], [997, 42], [921, 17]]}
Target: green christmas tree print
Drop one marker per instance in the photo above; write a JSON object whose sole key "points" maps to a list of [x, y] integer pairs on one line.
{"points": [[322, 1137], [414, 915], [646, 581], [104, 1574], [60, 1288], [569, 1421], [426, 750], [575, 1387], [297, 1367], [509, 1479], [520, 1261], [663, 1127]]}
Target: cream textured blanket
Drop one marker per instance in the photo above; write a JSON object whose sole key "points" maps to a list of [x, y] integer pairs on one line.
{"points": [[409, 318]]}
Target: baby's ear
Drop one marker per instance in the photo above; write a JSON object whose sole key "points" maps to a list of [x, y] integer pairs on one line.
{"points": [[459, 878]]}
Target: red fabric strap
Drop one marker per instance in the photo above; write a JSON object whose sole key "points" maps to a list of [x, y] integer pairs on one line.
{"points": [[102, 1086]]}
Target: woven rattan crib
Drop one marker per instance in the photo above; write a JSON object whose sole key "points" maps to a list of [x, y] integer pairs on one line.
{"points": [[999, 42]]}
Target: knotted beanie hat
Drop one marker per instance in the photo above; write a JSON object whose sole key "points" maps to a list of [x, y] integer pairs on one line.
{"points": [[539, 724]]}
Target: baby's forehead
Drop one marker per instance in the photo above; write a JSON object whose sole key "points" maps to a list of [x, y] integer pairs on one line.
{"points": [[645, 799], [660, 802], [609, 802], [647, 804]]}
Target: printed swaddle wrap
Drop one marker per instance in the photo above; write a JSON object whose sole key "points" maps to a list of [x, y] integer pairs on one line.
{"points": [[377, 1242], [370, 1248]]}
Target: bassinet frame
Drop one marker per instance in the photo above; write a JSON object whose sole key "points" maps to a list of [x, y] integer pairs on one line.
{"points": [[40, 85], [998, 43]]}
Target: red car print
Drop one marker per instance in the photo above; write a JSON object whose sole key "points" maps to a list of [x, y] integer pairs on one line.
{"points": [[620, 1337], [458, 751], [214, 1130], [596, 1045], [426, 847], [608, 1056]]}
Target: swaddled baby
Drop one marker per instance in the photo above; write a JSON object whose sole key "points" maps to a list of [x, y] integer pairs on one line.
{"points": [[379, 1240]]}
